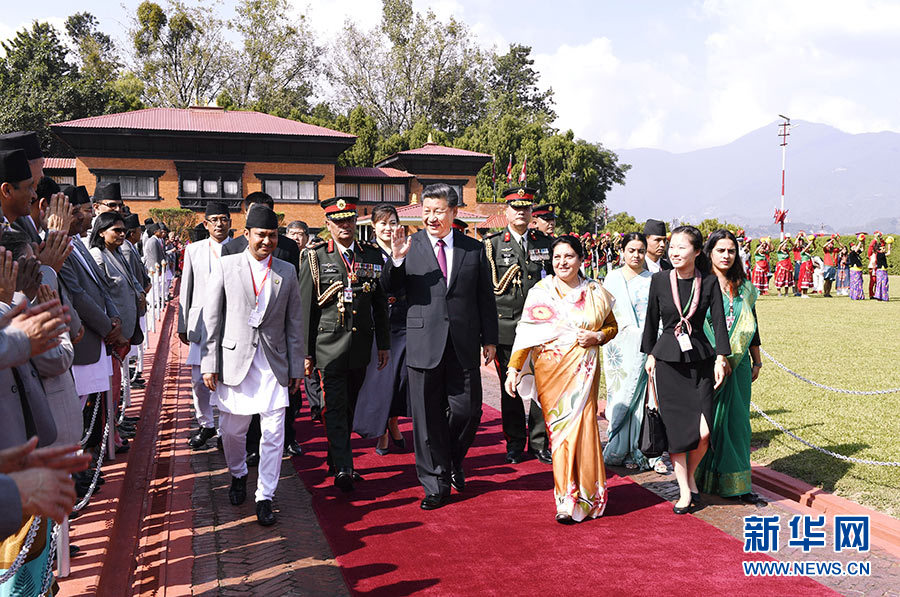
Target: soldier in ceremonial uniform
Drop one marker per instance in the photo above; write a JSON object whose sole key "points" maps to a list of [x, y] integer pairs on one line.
{"points": [[519, 257], [544, 218], [344, 306]]}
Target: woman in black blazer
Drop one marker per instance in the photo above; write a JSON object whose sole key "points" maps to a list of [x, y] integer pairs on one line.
{"points": [[681, 362]]}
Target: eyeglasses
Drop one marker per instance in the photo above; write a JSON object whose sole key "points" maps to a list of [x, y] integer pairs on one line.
{"points": [[112, 204], [219, 220]]}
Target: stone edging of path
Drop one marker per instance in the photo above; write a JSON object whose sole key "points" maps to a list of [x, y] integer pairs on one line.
{"points": [[885, 529]]}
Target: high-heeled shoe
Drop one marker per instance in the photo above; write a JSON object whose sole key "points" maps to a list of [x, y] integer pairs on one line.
{"points": [[400, 443], [382, 451]]}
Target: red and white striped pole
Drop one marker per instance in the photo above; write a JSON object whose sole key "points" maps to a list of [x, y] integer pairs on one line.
{"points": [[784, 134]]}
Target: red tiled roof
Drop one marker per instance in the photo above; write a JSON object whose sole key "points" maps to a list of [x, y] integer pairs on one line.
{"points": [[414, 212], [357, 172], [498, 220], [200, 119], [59, 163], [435, 149]]}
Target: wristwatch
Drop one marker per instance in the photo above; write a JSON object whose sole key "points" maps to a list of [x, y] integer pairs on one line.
{"points": [[758, 365]]}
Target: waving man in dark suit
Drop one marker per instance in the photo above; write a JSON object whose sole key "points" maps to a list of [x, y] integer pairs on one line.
{"points": [[452, 313]]}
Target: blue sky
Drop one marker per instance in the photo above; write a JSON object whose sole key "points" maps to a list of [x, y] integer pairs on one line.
{"points": [[675, 75]]}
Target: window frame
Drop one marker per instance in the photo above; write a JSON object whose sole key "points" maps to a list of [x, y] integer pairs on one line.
{"points": [[99, 173], [453, 182], [208, 171], [313, 178], [381, 182]]}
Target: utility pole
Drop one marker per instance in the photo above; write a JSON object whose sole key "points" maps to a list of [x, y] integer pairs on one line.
{"points": [[785, 127]]}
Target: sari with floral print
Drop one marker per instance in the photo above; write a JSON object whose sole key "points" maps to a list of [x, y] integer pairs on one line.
{"points": [[564, 379]]}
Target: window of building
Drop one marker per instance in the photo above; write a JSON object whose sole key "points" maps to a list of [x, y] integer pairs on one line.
{"points": [[368, 192], [63, 180], [457, 185], [135, 185], [291, 188], [200, 182]]}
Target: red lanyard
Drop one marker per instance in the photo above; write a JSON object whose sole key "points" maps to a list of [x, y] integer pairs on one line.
{"points": [[263, 283], [695, 301]]}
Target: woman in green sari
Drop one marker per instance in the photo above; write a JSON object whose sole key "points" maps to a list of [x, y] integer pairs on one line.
{"points": [[725, 470]]}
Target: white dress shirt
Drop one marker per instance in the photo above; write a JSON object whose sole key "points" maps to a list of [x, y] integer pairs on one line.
{"points": [[652, 266], [520, 239]]}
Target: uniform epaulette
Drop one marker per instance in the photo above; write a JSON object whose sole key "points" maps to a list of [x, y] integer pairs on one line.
{"points": [[535, 234], [491, 235], [316, 244], [368, 245]]}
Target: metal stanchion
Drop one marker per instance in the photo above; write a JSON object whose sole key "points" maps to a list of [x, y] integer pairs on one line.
{"points": [[126, 385], [63, 567], [110, 417]]}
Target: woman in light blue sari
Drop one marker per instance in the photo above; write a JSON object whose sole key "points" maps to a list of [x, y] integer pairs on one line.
{"points": [[623, 361]]}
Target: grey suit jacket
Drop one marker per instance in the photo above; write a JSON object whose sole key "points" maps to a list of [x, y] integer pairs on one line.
{"points": [[10, 508], [24, 224], [231, 343], [91, 300], [55, 369], [122, 286], [195, 275], [154, 253], [15, 347], [136, 263], [13, 405]]}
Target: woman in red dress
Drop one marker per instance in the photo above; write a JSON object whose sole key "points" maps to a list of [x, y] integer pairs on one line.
{"points": [[760, 276], [784, 269]]}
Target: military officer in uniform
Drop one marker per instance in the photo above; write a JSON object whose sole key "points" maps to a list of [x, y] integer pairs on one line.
{"points": [[519, 257], [344, 306], [544, 218]]}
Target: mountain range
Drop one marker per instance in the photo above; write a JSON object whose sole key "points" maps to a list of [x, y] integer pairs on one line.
{"points": [[835, 181]]}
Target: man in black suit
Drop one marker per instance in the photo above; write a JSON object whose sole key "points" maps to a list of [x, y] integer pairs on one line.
{"points": [[286, 250], [452, 313], [655, 232]]}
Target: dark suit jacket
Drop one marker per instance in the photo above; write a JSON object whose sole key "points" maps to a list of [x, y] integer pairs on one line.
{"points": [[287, 249], [661, 305], [464, 310]]}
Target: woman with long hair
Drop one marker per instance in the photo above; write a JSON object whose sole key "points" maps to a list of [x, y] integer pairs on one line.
{"points": [[842, 285], [805, 280], [556, 362], [383, 396], [623, 361], [681, 362], [725, 471], [784, 269], [882, 289]]}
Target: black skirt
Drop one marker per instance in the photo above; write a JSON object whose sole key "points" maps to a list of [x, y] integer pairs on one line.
{"points": [[685, 391]]}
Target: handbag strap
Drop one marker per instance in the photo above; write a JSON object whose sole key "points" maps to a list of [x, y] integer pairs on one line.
{"points": [[651, 389]]}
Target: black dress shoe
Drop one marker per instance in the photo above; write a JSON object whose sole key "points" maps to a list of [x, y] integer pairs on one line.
{"points": [[515, 456], [126, 426], [357, 477], [131, 419], [315, 414], [543, 455], [123, 448], [253, 459], [458, 481], [294, 449], [400, 443], [344, 480], [238, 492], [752, 498], [264, 514], [138, 384], [199, 440], [696, 498], [74, 550], [433, 501]]}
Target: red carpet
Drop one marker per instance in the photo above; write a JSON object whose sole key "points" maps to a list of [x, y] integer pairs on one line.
{"points": [[500, 536]]}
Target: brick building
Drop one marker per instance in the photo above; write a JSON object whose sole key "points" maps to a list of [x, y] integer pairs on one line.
{"points": [[170, 158]]}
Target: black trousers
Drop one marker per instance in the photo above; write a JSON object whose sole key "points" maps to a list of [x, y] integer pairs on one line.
{"points": [[254, 433], [446, 412], [313, 387], [340, 391], [516, 426]]}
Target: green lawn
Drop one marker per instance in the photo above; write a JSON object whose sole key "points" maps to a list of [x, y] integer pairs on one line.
{"points": [[840, 343]]}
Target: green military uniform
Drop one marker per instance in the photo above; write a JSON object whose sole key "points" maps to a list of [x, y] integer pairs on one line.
{"points": [[515, 270], [344, 308]]}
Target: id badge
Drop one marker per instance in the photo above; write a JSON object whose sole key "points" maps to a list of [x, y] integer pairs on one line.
{"points": [[684, 341], [729, 321], [255, 318], [348, 294]]}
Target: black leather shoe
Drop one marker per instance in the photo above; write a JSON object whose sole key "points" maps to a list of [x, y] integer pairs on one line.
{"points": [[344, 480], [696, 499], [564, 519], [138, 384], [204, 435], [253, 459], [458, 481], [238, 492], [123, 448], [433, 501], [316, 414], [400, 443], [357, 477], [752, 498], [74, 550], [543, 455], [264, 514], [515, 456], [131, 419], [294, 449]]}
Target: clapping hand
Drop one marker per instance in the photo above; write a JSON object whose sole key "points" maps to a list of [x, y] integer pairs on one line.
{"points": [[43, 324], [9, 272], [399, 242], [54, 250], [29, 277], [28, 455], [59, 214]]}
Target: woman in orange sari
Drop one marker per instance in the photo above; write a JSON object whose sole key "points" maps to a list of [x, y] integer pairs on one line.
{"points": [[556, 363]]}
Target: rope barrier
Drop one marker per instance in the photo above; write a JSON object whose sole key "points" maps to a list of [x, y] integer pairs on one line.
{"points": [[829, 388], [819, 448], [23, 553], [87, 496], [47, 578]]}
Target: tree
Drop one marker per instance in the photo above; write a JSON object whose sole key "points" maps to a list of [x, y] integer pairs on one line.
{"points": [[181, 55], [41, 85], [413, 66], [277, 63], [622, 222], [513, 86], [95, 49]]}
